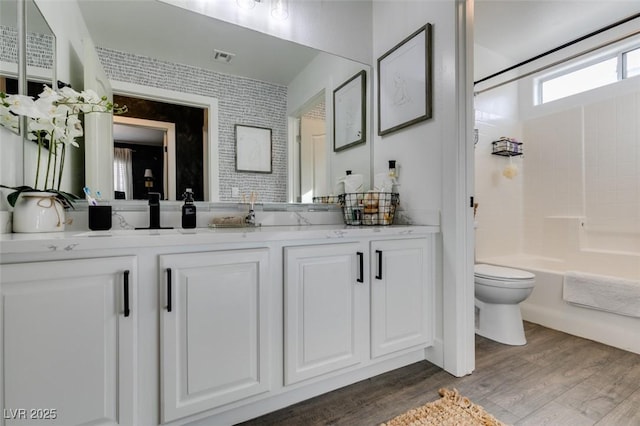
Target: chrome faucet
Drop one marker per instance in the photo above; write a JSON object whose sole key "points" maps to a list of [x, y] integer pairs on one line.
{"points": [[250, 218]]}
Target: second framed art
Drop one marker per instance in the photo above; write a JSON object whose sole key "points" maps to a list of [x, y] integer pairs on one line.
{"points": [[349, 118], [405, 83], [253, 149]]}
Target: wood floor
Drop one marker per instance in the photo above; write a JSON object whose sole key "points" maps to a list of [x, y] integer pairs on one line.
{"points": [[556, 379]]}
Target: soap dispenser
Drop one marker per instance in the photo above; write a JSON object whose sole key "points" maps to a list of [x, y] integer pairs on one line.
{"points": [[188, 210]]}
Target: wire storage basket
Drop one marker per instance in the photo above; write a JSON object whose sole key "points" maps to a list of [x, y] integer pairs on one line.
{"points": [[369, 208], [506, 147], [327, 199]]}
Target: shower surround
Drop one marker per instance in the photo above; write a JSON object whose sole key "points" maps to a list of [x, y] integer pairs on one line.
{"points": [[574, 205]]}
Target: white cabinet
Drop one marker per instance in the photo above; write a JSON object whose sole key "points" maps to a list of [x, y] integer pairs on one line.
{"points": [[214, 329], [339, 312], [402, 303], [326, 324], [252, 322], [68, 342]]}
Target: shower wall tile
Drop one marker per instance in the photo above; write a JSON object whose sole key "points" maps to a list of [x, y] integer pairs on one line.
{"points": [[553, 183], [500, 214], [612, 182], [580, 177]]}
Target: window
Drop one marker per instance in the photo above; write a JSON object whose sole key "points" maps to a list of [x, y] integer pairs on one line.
{"points": [[570, 81], [632, 63]]}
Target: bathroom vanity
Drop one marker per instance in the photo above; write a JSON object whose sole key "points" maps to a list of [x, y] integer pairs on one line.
{"points": [[207, 326]]}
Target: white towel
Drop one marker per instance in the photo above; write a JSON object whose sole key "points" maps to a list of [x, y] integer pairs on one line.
{"points": [[611, 294]]}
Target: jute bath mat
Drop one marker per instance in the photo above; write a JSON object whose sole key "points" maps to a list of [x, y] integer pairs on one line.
{"points": [[452, 409]]}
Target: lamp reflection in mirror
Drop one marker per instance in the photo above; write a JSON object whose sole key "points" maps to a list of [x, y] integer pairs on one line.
{"points": [[148, 179]]}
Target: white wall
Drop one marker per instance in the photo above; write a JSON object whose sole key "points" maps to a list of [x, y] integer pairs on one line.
{"points": [[417, 149], [69, 50], [326, 73], [432, 159], [499, 215]]}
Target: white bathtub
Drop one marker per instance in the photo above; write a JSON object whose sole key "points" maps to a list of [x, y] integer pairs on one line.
{"points": [[546, 307]]}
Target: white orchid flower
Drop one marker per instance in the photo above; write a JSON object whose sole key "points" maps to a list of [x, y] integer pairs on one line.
{"points": [[46, 106], [7, 119], [23, 105], [40, 125], [90, 96], [54, 117], [62, 111], [5, 111], [49, 93], [69, 94]]}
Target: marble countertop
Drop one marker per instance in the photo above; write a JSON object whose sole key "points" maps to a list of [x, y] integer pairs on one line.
{"points": [[96, 240]]}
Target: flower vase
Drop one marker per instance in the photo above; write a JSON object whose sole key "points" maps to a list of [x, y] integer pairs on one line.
{"points": [[38, 212]]}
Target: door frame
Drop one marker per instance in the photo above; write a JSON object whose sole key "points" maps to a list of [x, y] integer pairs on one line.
{"points": [[169, 149], [210, 163]]}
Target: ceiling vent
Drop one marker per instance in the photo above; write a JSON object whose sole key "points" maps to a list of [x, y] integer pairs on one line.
{"points": [[220, 56]]}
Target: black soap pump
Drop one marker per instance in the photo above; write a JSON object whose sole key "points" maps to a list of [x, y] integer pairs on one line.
{"points": [[188, 210]]}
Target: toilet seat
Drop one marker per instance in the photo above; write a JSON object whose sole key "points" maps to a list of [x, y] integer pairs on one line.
{"points": [[499, 276]]}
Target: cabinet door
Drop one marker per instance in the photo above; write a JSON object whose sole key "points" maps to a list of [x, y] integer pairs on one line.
{"points": [[214, 329], [68, 342], [325, 309], [401, 295]]}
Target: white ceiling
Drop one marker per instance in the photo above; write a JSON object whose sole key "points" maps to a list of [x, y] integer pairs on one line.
{"points": [[519, 29], [169, 33], [137, 134], [515, 29]]}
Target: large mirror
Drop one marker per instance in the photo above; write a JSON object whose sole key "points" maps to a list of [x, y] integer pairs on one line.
{"points": [[24, 71], [254, 80], [40, 51]]}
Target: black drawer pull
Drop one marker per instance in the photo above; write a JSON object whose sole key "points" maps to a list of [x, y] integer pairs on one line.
{"points": [[379, 274], [168, 289], [127, 311], [360, 278]]}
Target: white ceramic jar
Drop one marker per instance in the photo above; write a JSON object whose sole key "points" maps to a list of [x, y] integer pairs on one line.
{"points": [[38, 212]]}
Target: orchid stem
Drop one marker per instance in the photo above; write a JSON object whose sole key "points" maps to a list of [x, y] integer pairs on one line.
{"points": [[39, 157], [61, 168]]}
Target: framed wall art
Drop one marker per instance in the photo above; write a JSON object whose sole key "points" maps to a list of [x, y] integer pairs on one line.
{"points": [[405, 83], [349, 118], [253, 149]]}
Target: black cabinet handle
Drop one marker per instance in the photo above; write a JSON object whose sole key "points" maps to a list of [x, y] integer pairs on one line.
{"points": [[360, 278], [379, 274], [127, 311], [168, 289]]}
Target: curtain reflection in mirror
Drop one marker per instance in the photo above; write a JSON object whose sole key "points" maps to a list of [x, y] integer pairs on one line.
{"points": [[123, 171]]}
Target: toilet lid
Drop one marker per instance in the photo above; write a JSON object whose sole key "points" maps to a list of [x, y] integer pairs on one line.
{"points": [[501, 273]]}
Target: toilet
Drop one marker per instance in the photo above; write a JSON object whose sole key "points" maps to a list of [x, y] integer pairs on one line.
{"points": [[498, 293]]}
